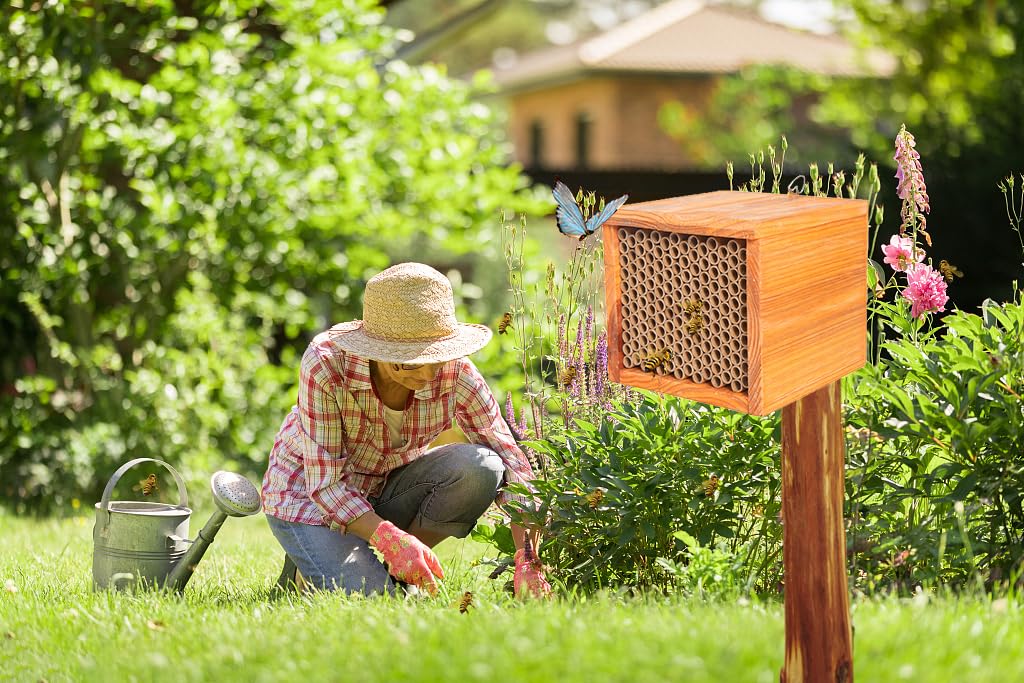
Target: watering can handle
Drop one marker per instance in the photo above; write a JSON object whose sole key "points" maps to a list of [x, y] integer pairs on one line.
{"points": [[105, 501]]}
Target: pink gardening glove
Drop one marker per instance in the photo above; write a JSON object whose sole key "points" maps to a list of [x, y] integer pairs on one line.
{"points": [[529, 578], [408, 559]]}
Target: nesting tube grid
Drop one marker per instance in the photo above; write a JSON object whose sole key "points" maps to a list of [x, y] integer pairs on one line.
{"points": [[684, 306]]}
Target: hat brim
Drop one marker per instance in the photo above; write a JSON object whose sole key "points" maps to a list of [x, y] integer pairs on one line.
{"points": [[353, 338]]}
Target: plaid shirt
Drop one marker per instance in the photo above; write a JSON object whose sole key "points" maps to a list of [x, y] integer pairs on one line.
{"points": [[333, 451]]}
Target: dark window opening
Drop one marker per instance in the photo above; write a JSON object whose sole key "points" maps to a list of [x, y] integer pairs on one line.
{"points": [[536, 144], [583, 125]]}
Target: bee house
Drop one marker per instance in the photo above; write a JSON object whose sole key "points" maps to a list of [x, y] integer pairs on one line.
{"points": [[743, 300]]}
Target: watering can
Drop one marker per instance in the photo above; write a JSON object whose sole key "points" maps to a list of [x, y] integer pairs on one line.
{"points": [[137, 542]]}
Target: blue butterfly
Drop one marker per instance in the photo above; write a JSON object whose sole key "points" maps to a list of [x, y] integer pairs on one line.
{"points": [[569, 216]]}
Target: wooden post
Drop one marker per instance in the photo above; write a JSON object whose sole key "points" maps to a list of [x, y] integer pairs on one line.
{"points": [[818, 639]]}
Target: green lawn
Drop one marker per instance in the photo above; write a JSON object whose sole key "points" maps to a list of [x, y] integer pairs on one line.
{"points": [[227, 627]]}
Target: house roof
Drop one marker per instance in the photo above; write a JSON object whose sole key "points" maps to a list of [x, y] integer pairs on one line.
{"points": [[691, 37]]}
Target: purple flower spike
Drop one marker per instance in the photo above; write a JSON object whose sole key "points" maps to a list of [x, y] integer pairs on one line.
{"points": [[577, 355], [600, 366], [590, 325], [510, 417], [563, 343]]}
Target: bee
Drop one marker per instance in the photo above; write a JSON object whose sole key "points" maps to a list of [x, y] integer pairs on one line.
{"points": [[466, 602], [148, 485], [949, 271], [567, 376], [500, 569], [653, 361], [710, 485], [594, 498], [505, 322], [694, 312]]}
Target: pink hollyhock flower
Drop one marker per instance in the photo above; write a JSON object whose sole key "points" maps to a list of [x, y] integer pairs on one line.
{"points": [[925, 290], [901, 253]]}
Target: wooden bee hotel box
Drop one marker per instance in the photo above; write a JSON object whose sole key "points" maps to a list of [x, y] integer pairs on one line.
{"points": [[743, 300]]}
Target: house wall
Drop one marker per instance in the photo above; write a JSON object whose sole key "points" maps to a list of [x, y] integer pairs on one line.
{"points": [[623, 110], [642, 142], [556, 108]]}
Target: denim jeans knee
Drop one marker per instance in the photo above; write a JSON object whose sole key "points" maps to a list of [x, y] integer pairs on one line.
{"points": [[445, 491]]}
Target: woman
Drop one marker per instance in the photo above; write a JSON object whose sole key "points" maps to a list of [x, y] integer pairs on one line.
{"points": [[351, 467]]}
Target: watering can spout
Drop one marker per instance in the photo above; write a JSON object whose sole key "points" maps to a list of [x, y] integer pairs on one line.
{"points": [[235, 496]]}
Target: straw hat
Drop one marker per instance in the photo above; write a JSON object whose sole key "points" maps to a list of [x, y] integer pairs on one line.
{"points": [[409, 317]]}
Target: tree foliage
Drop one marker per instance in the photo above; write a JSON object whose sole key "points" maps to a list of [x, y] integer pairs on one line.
{"points": [[959, 86], [187, 189]]}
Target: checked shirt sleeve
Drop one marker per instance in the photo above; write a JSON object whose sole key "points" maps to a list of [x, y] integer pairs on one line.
{"points": [[477, 415], [323, 445]]}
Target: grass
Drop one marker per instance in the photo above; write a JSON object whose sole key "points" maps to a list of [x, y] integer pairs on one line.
{"points": [[229, 626]]}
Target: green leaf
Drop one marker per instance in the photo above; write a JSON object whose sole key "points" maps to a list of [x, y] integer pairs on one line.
{"points": [[688, 540], [876, 275]]}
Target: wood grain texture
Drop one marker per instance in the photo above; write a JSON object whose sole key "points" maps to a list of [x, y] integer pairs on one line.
{"points": [[811, 311], [818, 638], [806, 290], [613, 302], [731, 214]]}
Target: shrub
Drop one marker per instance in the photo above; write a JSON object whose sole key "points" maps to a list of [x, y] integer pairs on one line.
{"points": [[619, 492], [937, 454], [187, 192]]}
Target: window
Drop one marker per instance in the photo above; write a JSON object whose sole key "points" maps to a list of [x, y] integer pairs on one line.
{"points": [[536, 144], [583, 124]]}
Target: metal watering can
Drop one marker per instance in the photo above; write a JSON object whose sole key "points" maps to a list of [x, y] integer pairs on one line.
{"points": [[136, 542]]}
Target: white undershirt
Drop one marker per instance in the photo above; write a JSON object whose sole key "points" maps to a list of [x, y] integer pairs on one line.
{"points": [[393, 419]]}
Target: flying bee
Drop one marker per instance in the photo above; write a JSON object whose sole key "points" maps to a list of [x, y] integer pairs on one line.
{"points": [[504, 323], [949, 271], [148, 485], [710, 485], [567, 376], [653, 361], [594, 498], [466, 602]]}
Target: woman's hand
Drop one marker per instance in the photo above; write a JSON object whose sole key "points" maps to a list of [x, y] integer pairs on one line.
{"points": [[529, 578], [408, 559]]}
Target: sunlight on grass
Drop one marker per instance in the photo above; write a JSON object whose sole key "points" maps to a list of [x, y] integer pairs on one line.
{"points": [[230, 626]]}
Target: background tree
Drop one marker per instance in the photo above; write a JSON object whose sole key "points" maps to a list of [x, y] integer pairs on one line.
{"points": [[190, 189], [960, 88]]}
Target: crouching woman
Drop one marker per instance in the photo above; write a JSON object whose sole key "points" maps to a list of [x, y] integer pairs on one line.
{"points": [[351, 469]]}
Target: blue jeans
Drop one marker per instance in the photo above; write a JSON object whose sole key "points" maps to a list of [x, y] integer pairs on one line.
{"points": [[444, 492]]}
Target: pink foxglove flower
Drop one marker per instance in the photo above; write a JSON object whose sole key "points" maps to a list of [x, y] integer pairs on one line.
{"points": [[910, 184], [925, 290], [901, 253]]}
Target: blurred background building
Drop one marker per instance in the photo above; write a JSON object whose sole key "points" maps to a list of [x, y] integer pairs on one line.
{"points": [[622, 96], [595, 104]]}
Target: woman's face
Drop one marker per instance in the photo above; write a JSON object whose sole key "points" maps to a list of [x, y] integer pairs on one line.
{"points": [[410, 376]]}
